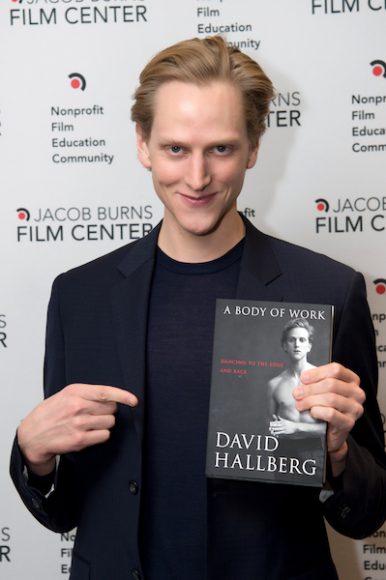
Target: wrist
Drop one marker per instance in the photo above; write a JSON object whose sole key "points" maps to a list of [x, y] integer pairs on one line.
{"points": [[39, 464], [42, 468], [338, 459]]}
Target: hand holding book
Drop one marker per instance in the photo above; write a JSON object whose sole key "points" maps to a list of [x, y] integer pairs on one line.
{"points": [[332, 393]]}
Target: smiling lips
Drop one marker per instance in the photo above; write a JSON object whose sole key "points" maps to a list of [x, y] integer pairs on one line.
{"points": [[197, 201]]}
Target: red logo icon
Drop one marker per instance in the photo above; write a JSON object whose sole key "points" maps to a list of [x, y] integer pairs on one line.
{"points": [[23, 214], [77, 81], [380, 285], [322, 205], [378, 68]]}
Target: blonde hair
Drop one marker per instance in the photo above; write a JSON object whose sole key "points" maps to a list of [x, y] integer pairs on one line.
{"points": [[201, 61]]}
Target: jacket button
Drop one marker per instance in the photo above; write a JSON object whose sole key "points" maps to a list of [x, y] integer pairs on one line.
{"points": [[136, 574], [133, 489], [36, 503], [344, 511]]}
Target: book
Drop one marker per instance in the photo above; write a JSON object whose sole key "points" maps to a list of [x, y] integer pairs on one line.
{"points": [[255, 432]]}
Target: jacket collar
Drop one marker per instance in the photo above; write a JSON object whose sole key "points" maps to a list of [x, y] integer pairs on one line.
{"points": [[140, 253], [258, 263]]}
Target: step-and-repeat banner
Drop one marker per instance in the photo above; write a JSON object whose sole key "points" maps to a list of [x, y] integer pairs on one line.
{"points": [[72, 188]]}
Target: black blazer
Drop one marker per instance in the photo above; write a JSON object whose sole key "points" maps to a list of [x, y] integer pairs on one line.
{"points": [[96, 333]]}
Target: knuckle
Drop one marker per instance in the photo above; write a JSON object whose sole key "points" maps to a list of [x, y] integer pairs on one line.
{"points": [[68, 389], [314, 412], [331, 399], [330, 414], [78, 421], [361, 395], [74, 406], [79, 440], [104, 435], [350, 422], [103, 395], [72, 401], [71, 389], [360, 411], [108, 422], [335, 369], [330, 385]]}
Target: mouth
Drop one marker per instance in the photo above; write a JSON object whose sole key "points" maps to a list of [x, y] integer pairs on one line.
{"points": [[197, 201]]}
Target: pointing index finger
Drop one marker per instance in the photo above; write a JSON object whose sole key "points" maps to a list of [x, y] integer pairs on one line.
{"points": [[107, 393]]}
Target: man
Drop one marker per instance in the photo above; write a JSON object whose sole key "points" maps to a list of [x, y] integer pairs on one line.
{"points": [[286, 420], [128, 356]]}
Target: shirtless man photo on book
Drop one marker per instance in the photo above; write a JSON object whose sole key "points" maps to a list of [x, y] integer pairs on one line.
{"points": [[286, 420]]}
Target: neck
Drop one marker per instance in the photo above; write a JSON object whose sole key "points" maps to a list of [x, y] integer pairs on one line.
{"points": [[298, 367], [185, 246]]}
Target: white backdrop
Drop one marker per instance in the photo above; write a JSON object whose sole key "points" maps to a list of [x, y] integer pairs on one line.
{"points": [[72, 189]]}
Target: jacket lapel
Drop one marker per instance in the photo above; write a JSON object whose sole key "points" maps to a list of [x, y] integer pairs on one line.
{"points": [[260, 274], [129, 304]]}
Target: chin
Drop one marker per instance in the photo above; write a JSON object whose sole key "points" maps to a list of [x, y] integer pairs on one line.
{"points": [[203, 227]]}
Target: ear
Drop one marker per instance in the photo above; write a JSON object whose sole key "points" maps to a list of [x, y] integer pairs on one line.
{"points": [[252, 156], [142, 148]]}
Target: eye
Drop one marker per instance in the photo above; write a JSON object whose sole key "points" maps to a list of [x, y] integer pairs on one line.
{"points": [[222, 149], [175, 149]]}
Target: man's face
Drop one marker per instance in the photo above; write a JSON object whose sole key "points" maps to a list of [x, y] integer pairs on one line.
{"points": [[198, 152], [297, 344]]}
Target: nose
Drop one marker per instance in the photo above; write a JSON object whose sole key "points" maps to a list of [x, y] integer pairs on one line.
{"points": [[197, 175]]}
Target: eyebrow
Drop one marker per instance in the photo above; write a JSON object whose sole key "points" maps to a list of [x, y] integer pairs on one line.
{"points": [[165, 141]]}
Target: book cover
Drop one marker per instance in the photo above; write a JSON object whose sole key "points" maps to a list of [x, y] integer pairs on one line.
{"points": [[255, 431]]}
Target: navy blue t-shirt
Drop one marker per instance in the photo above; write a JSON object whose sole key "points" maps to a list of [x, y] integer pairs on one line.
{"points": [[179, 357]]}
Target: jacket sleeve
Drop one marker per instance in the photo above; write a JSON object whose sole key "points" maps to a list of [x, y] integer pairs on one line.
{"points": [[357, 507], [57, 508]]}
